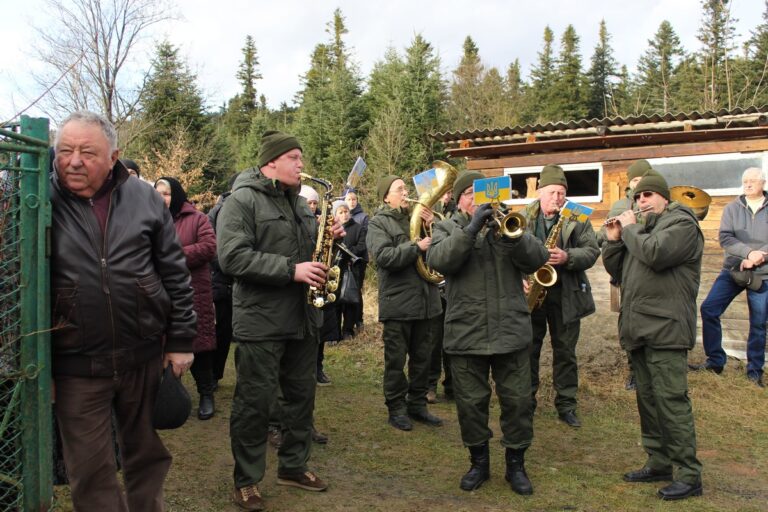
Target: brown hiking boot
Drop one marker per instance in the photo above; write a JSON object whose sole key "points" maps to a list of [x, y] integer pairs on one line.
{"points": [[306, 480], [248, 498]]}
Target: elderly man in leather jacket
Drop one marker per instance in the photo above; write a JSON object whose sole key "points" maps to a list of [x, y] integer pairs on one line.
{"points": [[122, 309]]}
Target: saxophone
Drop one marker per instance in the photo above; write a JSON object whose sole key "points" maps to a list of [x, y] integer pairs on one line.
{"points": [[446, 175], [324, 252], [546, 275]]}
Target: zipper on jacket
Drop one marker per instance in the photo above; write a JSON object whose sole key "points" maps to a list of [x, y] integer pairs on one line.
{"points": [[105, 283]]}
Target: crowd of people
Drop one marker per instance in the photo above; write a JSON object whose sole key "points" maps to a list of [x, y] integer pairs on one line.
{"points": [[141, 280]]}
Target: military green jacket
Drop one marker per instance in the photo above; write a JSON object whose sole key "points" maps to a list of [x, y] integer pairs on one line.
{"points": [[579, 241], [486, 310], [625, 203], [658, 266], [263, 231], [403, 294]]}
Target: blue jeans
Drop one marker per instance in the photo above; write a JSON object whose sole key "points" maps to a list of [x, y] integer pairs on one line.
{"points": [[723, 291]]}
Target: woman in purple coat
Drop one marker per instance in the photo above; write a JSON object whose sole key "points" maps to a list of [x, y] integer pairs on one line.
{"points": [[197, 237]]}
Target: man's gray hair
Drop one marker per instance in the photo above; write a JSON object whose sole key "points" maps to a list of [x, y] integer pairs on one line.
{"points": [[754, 170], [87, 117]]}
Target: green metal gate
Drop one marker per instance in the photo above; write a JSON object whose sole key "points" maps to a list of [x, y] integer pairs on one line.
{"points": [[25, 376]]}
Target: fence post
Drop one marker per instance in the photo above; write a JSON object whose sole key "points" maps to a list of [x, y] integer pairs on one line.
{"points": [[35, 221]]}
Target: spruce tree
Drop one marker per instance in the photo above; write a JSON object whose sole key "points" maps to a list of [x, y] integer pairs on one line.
{"points": [[540, 108], [601, 74], [656, 70], [465, 107], [515, 92], [756, 68], [569, 96], [716, 36]]}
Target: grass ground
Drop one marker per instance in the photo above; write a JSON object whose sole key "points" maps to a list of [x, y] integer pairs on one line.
{"points": [[372, 467]]}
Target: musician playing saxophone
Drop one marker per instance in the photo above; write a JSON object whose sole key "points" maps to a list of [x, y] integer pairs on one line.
{"points": [[407, 305], [266, 236], [487, 331], [569, 299]]}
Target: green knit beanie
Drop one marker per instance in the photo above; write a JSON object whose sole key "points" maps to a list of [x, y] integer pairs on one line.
{"points": [[464, 181], [638, 169], [274, 144], [655, 183], [383, 186], [552, 175]]}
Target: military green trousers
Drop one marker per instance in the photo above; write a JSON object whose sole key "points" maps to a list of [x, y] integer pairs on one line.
{"points": [[472, 391], [265, 370], [666, 415], [411, 340], [565, 371]]}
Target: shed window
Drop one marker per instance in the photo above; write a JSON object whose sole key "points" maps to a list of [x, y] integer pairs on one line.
{"points": [[719, 175], [585, 182]]}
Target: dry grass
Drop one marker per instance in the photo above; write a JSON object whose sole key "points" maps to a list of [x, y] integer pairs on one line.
{"points": [[372, 467]]}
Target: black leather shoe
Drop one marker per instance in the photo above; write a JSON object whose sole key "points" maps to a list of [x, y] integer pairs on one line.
{"points": [[631, 385], [426, 418], [705, 367], [480, 470], [205, 410], [570, 419], [515, 473], [400, 422], [680, 491], [319, 437], [647, 474]]}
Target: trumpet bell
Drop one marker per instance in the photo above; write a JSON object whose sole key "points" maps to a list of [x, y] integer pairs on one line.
{"points": [[692, 197], [512, 225]]}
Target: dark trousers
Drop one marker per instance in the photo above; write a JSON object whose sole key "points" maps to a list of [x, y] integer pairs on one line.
{"points": [[565, 372], [411, 340], [265, 370], [84, 413], [223, 336], [439, 360], [720, 296], [202, 371], [666, 415], [472, 391]]}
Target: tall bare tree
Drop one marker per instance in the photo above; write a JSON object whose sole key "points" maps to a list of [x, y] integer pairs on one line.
{"points": [[92, 47]]}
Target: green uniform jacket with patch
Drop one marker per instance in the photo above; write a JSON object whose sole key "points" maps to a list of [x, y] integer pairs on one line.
{"points": [[658, 266], [403, 294], [263, 231], [486, 311], [579, 241]]}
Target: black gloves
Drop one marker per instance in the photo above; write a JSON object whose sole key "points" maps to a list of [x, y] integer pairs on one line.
{"points": [[479, 218]]}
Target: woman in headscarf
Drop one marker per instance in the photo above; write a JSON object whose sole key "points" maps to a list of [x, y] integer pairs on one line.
{"points": [[198, 240]]}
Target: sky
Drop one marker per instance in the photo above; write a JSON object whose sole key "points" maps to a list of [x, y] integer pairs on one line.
{"points": [[210, 36]]}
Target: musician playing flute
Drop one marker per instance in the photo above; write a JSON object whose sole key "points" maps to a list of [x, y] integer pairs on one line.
{"points": [[658, 266], [487, 330], [569, 299]]}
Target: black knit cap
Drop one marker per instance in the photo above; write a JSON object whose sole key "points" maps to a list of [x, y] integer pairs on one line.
{"points": [[654, 183], [382, 189], [638, 169], [274, 144]]}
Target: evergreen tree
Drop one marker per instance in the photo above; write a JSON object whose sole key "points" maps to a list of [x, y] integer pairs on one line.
{"points": [[569, 96], [243, 107], [688, 84], [601, 74], [621, 95], [716, 37], [465, 104], [655, 70], [756, 66], [540, 106], [515, 93]]}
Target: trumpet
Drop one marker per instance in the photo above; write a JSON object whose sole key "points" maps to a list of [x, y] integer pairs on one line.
{"points": [[510, 225], [611, 220]]}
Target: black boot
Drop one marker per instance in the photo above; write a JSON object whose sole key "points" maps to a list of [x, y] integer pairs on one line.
{"points": [[205, 410], [480, 470], [515, 474]]}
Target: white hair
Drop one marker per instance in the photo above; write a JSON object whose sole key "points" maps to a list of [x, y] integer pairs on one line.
{"points": [[87, 117], [753, 170]]}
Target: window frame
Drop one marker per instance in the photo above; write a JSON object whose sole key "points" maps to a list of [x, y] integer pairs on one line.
{"points": [[566, 168]]}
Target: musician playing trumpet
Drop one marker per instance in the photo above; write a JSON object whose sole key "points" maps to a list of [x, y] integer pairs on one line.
{"points": [[658, 266], [575, 251], [487, 329]]}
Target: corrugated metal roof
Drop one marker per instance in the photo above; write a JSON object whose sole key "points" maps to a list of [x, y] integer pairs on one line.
{"points": [[721, 119]]}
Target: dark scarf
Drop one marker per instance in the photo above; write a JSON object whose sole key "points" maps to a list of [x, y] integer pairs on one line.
{"points": [[178, 195]]}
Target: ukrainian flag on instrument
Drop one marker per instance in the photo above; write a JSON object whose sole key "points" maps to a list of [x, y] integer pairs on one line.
{"points": [[425, 181], [492, 190], [576, 211]]}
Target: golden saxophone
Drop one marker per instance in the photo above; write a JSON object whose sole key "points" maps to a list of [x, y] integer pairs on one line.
{"points": [[546, 275], [446, 175], [324, 252]]}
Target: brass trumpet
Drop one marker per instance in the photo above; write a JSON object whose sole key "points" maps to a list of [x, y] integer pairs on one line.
{"points": [[611, 220], [510, 225]]}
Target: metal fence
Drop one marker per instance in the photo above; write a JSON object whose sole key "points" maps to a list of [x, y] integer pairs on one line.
{"points": [[25, 377]]}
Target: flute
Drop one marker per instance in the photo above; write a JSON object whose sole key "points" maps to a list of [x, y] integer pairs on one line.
{"points": [[611, 220]]}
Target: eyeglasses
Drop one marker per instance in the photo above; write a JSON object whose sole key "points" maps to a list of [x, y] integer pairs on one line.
{"points": [[645, 194]]}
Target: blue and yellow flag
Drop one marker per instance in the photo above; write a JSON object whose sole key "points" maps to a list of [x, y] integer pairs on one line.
{"points": [[492, 190], [576, 211], [425, 181]]}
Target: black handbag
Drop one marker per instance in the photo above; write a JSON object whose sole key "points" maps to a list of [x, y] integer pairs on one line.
{"points": [[173, 402], [350, 288], [746, 279]]}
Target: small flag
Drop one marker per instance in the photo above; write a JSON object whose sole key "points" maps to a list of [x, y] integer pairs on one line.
{"points": [[576, 211], [492, 190], [425, 181], [355, 174]]}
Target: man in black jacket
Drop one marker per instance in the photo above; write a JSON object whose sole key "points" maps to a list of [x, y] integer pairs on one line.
{"points": [[122, 309]]}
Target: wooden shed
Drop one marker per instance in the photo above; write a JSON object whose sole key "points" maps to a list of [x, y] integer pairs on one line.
{"points": [[707, 150]]}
